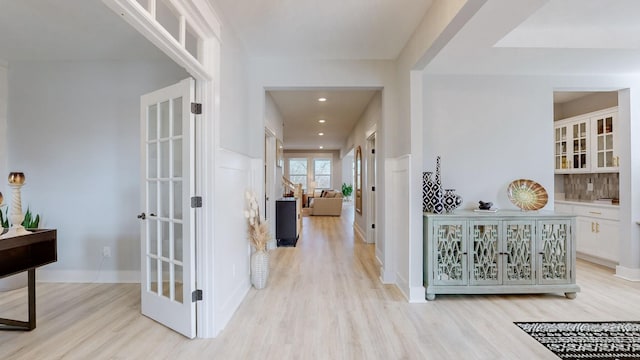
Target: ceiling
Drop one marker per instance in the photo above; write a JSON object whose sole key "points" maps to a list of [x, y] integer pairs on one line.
{"points": [[301, 111], [505, 37], [328, 29], [546, 37], [54, 30]]}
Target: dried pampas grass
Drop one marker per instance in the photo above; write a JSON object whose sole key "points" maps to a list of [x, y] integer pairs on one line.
{"points": [[258, 228]]}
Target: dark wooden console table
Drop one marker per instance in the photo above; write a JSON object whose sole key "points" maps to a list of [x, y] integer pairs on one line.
{"points": [[26, 253]]}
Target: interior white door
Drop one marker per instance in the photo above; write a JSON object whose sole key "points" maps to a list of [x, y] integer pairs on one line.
{"points": [[167, 185], [371, 185]]}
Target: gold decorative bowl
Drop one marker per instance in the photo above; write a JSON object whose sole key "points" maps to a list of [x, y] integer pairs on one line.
{"points": [[16, 178], [527, 194]]}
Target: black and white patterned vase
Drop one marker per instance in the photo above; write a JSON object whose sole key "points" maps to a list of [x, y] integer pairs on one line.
{"points": [[451, 200], [438, 196], [438, 201], [428, 189]]}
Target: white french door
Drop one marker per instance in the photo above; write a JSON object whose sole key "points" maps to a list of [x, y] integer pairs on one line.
{"points": [[167, 185]]}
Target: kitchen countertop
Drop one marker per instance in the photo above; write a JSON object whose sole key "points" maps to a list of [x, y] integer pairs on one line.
{"points": [[587, 202]]}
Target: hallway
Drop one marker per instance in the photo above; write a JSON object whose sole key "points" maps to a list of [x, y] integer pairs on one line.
{"points": [[323, 301]]}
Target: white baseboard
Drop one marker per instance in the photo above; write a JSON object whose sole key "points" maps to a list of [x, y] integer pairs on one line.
{"points": [[596, 260], [626, 273], [403, 286], [226, 311], [386, 276], [417, 295], [359, 233], [87, 276]]}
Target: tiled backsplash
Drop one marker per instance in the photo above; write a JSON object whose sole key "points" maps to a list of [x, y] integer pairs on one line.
{"points": [[604, 186]]}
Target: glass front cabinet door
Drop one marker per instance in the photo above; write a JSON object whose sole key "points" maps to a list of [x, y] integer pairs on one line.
{"points": [[605, 129]]}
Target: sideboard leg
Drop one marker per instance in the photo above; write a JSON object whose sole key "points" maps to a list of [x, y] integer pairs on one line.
{"points": [[431, 297], [570, 295]]}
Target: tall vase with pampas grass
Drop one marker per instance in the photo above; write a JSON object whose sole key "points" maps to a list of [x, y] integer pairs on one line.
{"points": [[259, 237]]}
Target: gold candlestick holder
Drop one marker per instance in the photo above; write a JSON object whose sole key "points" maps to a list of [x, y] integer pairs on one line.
{"points": [[16, 181]]}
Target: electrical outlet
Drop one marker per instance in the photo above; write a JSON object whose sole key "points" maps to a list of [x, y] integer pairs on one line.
{"points": [[589, 186], [106, 251]]}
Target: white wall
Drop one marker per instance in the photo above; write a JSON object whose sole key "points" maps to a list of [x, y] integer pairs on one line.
{"points": [[74, 131], [235, 173], [491, 130], [4, 94], [441, 22], [488, 131], [234, 122], [371, 116], [347, 170], [274, 122], [589, 103]]}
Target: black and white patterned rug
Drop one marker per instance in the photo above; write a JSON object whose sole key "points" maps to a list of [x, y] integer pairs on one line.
{"points": [[587, 340]]}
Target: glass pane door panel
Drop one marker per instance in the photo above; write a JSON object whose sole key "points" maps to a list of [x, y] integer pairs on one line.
{"points": [[179, 297], [164, 159], [177, 242], [165, 205], [166, 279], [177, 200], [600, 127], [152, 166], [152, 198], [165, 115], [600, 159], [166, 242], [609, 158], [152, 123], [177, 157], [152, 246], [609, 142], [152, 285], [177, 116]]}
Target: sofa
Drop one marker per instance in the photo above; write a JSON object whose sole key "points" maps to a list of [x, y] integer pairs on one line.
{"points": [[329, 203]]}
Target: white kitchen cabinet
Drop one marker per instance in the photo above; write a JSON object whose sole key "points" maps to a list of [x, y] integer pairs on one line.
{"points": [[466, 252], [572, 146], [597, 231], [604, 130], [587, 143]]}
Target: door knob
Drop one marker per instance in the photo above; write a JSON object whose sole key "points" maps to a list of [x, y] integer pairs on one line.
{"points": [[142, 216]]}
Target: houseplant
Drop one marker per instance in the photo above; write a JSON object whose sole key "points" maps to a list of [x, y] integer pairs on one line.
{"points": [[258, 237], [29, 222], [347, 189]]}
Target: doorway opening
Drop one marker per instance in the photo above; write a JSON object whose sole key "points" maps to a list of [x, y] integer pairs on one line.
{"points": [[587, 149]]}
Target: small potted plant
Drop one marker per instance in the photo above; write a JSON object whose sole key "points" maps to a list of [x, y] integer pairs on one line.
{"points": [[347, 189]]}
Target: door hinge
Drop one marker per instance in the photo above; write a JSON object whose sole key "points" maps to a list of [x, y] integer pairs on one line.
{"points": [[196, 202], [373, 188], [196, 295], [196, 108], [373, 226], [373, 151]]}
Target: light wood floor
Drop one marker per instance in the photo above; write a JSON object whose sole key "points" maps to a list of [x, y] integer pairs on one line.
{"points": [[323, 301]]}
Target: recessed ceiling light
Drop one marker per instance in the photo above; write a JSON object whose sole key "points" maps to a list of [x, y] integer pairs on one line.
{"points": [[320, 134], [322, 99], [322, 121], [321, 147]]}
